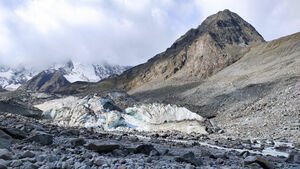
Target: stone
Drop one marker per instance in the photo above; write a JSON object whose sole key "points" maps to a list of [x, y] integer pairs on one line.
{"points": [[5, 140], [245, 154], [120, 152], [41, 138], [189, 158], [15, 133], [259, 160], [99, 161], [165, 151], [145, 149], [5, 154], [41, 157], [154, 153], [27, 154], [16, 163], [77, 165], [52, 158], [3, 164], [29, 165], [102, 148], [294, 157], [77, 142], [189, 166], [133, 138]]}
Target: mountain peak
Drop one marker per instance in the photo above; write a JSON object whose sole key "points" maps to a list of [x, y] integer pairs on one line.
{"points": [[201, 52], [225, 28], [47, 81], [228, 28]]}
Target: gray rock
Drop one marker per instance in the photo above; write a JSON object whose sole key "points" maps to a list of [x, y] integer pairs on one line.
{"points": [[294, 157], [189, 166], [41, 157], [41, 138], [133, 138], [154, 153], [5, 154], [16, 163], [99, 161], [189, 158], [78, 142], [77, 165], [28, 165], [52, 158], [15, 133], [5, 140], [3, 164], [259, 160], [102, 148], [27, 154], [146, 149]]}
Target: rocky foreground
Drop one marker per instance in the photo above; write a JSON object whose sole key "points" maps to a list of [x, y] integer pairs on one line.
{"points": [[28, 143]]}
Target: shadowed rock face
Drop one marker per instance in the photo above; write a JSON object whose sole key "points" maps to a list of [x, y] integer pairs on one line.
{"points": [[19, 108], [46, 81], [218, 42]]}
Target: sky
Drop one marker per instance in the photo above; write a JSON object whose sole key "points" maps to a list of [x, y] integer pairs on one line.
{"points": [[38, 33]]}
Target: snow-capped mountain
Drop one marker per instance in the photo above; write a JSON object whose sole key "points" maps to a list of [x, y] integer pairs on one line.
{"points": [[12, 78], [74, 71]]}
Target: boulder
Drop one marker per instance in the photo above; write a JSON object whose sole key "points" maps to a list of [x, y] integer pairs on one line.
{"points": [[5, 140], [77, 142], [5, 154], [102, 148], [15, 133], [146, 149], [265, 164], [294, 157], [3, 164], [41, 138], [27, 154], [189, 158]]}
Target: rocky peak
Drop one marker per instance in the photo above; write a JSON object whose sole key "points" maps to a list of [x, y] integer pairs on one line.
{"points": [[229, 28], [225, 27], [46, 81]]}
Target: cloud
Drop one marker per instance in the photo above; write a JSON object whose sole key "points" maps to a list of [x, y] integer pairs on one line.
{"points": [[40, 32]]}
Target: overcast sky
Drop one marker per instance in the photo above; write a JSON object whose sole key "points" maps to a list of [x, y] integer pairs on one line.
{"points": [[127, 32]]}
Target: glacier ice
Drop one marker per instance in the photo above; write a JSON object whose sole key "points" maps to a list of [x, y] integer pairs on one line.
{"points": [[91, 111]]}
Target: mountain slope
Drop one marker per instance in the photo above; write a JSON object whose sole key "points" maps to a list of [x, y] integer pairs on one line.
{"points": [[46, 81], [200, 53]]}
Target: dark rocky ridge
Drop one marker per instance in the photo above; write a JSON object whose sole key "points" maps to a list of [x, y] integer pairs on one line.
{"points": [[46, 81]]}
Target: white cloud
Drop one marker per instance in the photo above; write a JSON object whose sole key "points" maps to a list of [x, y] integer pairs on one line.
{"points": [[40, 32], [53, 15]]}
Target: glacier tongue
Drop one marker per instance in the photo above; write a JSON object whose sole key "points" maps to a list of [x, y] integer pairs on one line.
{"points": [[92, 111]]}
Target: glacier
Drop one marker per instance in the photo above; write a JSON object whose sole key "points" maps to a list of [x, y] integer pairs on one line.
{"points": [[92, 111]]}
